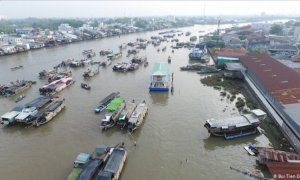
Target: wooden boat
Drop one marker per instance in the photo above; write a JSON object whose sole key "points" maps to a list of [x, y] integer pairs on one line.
{"points": [[115, 107], [137, 117], [114, 165], [15, 88], [235, 127], [47, 114], [86, 165], [16, 68], [103, 103], [56, 86], [85, 86], [126, 114], [146, 63], [169, 59], [19, 98]]}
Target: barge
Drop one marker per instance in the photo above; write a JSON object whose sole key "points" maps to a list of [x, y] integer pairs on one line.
{"points": [[103, 104], [126, 114], [56, 86], [48, 113], [137, 117], [115, 107], [114, 165], [234, 127]]}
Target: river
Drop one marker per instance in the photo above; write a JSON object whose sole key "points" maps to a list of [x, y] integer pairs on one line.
{"points": [[172, 144]]}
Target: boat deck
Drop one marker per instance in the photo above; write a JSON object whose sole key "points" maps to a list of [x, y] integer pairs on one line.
{"points": [[243, 120], [115, 160]]}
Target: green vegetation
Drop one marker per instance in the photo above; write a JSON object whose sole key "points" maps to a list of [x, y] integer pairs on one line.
{"points": [[234, 88], [8, 26], [276, 29]]}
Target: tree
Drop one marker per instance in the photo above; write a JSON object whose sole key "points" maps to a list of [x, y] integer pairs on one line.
{"points": [[276, 29]]}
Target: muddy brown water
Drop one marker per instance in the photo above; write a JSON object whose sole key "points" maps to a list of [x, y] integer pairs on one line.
{"points": [[172, 143]]}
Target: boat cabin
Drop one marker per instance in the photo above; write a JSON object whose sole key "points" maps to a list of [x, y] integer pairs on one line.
{"points": [[160, 77], [82, 159]]}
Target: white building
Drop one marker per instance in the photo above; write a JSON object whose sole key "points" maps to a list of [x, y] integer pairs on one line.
{"points": [[85, 27], [297, 33], [65, 28], [14, 40]]}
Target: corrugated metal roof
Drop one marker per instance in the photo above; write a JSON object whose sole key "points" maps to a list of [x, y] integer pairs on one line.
{"points": [[282, 81], [236, 54], [160, 68], [284, 170]]}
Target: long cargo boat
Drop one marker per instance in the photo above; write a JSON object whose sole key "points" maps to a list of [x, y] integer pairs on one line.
{"points": [[114, 165], [137, 117], [115, 107], [87, 165], [56, 86], [234, 127], [49, 112], [103, 104], [126, 114], [31, 109], [15, 88]]}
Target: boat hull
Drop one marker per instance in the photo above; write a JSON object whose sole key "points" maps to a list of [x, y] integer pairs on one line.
{"points": [[158, 89]]}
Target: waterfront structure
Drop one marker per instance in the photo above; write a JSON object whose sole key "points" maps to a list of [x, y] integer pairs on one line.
{"points": [[160, 77], [229, 56], [280, 86]]}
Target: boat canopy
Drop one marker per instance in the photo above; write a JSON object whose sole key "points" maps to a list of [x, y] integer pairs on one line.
{"points": [[38, 102], [114, 104], [240, 121], [101, 149], [10, 115], [160, 69], [90, 170], [82, 158], [114, 161], [135, 115]]}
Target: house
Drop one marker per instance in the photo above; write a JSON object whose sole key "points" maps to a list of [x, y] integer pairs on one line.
{"points": [[279, 40], [14, 40], [65, 28]]}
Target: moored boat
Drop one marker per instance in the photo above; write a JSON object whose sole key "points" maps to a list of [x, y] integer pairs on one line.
{"points": [[103, 103], [114, 165], [15, 88], [56, 86], [234, 127], [126, 114], [47, 114], [115, 107], [169, 59], [9, 117], [137, 117], [19, 98]]}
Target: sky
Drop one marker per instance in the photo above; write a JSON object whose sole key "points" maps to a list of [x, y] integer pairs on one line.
{"points": [[71, 9]]}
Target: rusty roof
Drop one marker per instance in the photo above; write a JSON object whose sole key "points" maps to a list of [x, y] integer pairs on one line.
{"points": [[282, 81], [284, 170]]}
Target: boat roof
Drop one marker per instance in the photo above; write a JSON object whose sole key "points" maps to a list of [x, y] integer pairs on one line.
{"points": [[107, 118], [258, 112], [160, 69], [26, 112], [10, 115], [104, 175], [90, 169], [38, 102], [82, 158], [101, 149], [115, 103], [115, 160], [135, 115], [243, 120]]}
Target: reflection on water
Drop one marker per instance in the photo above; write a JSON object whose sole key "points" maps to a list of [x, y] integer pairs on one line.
{"points": [[159, 98]]}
